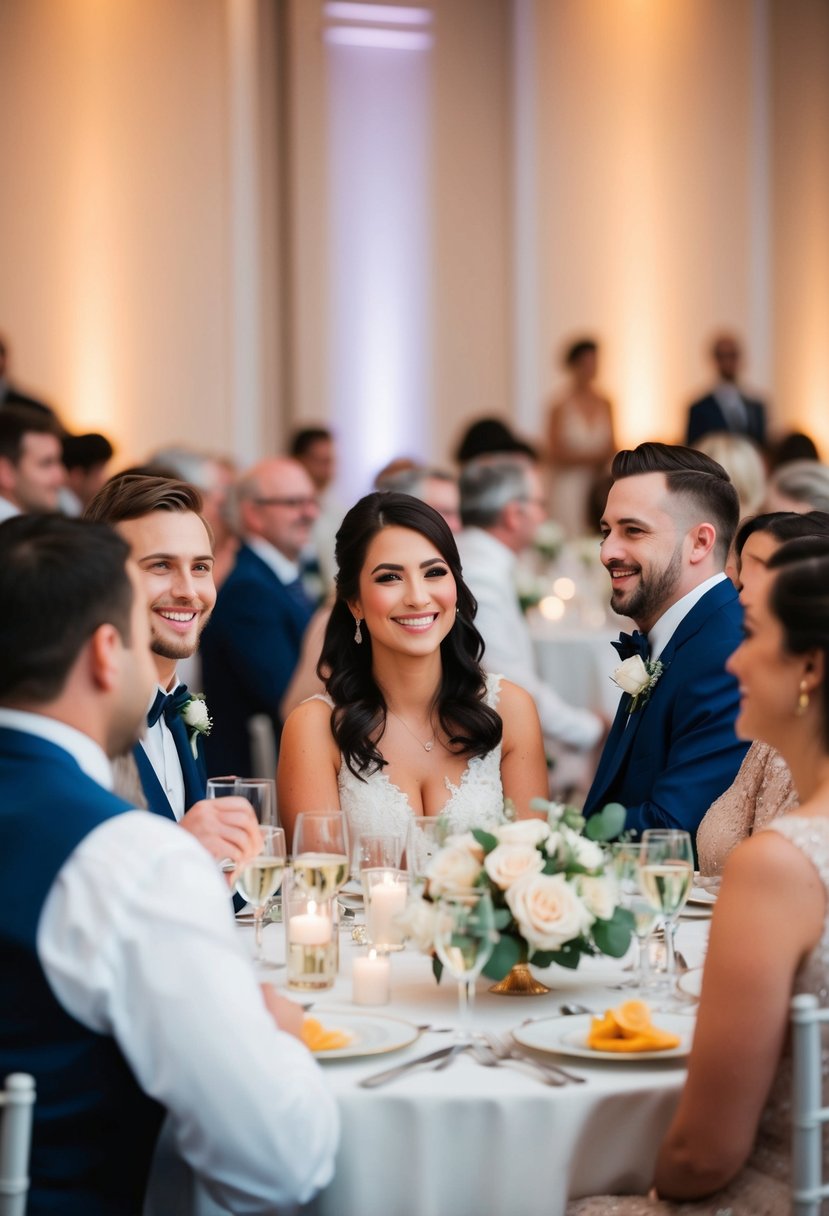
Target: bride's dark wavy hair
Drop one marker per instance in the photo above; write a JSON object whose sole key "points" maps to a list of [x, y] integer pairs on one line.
{"points": [[359, 717]]}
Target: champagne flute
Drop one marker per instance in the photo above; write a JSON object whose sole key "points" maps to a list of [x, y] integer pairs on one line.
{"points": [[258, 879], [375, 850], [320, 852], [425, 836], [625, 865], [464, 939], [666, 872]]}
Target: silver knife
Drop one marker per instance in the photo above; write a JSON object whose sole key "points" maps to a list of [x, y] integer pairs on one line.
{"points": [[380, 1078]]}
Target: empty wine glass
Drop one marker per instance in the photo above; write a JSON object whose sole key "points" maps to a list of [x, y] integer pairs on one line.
{"points": [[666, 872], [320, 852], [464, 940], [625, 867], [425, 836], [258, 879], [374, 850]]}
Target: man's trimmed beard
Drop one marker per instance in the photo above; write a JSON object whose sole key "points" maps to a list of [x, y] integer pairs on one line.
{"points": [[646, 602]]}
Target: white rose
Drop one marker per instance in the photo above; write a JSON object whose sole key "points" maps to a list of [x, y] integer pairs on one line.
{"points": [[452, 869], [632, 676], [195, 714], [508, 862], [585, 852], [418, 920], [465, 840], [600, 896], [524, 831], [548, 911]]}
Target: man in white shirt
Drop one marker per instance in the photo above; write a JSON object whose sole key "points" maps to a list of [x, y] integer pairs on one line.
{"points": [[502, 506], [172, 547], [126, 992], [31, 467]]}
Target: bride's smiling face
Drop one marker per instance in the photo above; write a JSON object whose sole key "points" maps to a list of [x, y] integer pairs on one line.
{"points": [[408, 594]]}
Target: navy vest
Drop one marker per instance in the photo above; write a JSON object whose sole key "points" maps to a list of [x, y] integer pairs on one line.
{"points": [[94, 1129]]}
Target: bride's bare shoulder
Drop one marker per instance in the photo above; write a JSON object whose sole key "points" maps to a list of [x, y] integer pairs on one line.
{"points": [[310, 722]]}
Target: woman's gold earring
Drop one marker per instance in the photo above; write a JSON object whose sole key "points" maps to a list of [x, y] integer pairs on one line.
{"points": [[358, 636], [802, 700]]}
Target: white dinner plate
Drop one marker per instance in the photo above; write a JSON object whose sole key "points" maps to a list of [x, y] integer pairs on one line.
{"points": [[372, 1034], [567, 1036], [701, 897], [696, 912]]}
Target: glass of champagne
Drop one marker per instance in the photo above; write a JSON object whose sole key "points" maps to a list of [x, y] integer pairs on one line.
{"points": [[258, 880], [666, 872], [625, 865], [464, 940], [320, 852]]}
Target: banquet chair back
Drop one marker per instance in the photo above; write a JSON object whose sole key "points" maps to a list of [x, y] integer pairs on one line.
{"points": [[262, 746], [17, 1101], [808, 1113]]}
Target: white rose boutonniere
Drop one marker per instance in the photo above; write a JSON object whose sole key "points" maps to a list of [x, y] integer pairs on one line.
{"points": [[197, 719], [638, 677]]}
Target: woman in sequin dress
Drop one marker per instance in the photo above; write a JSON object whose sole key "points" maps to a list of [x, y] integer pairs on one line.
{"points": [[763, 787], [728, 1147]]}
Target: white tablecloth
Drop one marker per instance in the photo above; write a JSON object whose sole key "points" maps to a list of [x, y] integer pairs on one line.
{"points": [[578, 661], [474, 1140]]}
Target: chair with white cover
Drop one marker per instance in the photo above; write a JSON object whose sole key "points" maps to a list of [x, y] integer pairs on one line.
{"points": [[17, 1101], [808, 1112]]}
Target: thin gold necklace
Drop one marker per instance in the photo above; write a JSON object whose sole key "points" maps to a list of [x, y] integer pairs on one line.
{"points": [[427, 747]]}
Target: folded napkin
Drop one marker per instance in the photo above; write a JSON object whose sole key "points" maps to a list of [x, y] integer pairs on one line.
{"points": [[628, 1028], [317, 1038]]}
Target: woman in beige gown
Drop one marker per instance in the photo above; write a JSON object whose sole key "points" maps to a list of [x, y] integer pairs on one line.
{"points": [[728, 1147], [763, 787]]}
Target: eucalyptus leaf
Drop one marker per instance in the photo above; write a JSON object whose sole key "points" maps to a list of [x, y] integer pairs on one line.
{"points": [[613, 936], [508, 951], [485, 839], [606, 824], [501, 917], [437, 968]]}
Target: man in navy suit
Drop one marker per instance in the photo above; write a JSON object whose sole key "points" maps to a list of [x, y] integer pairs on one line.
{"points": [[161, 519], [251, 647], [726, 408], [126, 994], [670, 516]]}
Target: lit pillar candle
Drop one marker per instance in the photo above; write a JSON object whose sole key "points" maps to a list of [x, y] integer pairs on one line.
{"points": [[371, 979], [310, 928], [386, 900]]}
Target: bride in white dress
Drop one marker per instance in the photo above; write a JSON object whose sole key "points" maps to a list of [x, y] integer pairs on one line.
{"points": [[409, 725], [728, 1148]]}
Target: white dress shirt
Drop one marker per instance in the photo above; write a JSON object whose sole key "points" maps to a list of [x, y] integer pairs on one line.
{"points": [[489, 572], [660, 634], [137, 941], [160, 747], [7, 509], [284, 569]]}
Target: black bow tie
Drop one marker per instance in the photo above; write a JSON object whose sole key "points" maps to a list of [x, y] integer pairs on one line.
{"points": [[168, 704], [630, 644]]}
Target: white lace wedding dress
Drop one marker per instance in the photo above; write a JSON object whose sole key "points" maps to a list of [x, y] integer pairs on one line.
{"points": [[377, 805], [762, 1186]]}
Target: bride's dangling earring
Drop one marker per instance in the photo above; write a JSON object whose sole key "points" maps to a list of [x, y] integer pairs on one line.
{"points": [[802, 700], [358, 635]]}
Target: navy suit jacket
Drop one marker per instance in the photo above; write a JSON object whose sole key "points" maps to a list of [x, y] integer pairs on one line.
{"points": [[248, 651], [706, 415], [678, 752]]}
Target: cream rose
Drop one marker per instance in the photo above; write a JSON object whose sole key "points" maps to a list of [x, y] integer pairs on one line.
{"points": [[548, 911], [585, 852], [195, 714], [465, 840], [452, 869], [632, 676], [600, 896], [509, 862], [524, 831], [418, 921]]}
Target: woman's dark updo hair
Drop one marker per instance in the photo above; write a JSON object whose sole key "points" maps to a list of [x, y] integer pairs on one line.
{"points": [[576, 350], [783, 526], [359, 716], [800, 600]]}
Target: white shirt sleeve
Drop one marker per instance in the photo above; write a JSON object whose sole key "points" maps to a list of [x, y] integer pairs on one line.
{"points": [[137, 940]]}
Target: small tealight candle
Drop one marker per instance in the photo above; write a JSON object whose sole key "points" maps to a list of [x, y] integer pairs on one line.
{"points": [[310, 928], [371, 978]]}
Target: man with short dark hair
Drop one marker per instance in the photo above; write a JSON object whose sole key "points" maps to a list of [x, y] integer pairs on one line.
{"points": [[126, 993], [31, 468], [161, 520], [85, 458], [669, 520]]}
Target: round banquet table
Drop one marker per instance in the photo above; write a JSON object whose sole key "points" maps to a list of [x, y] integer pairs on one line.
{"points": [[578, 661], [471, 1140]]}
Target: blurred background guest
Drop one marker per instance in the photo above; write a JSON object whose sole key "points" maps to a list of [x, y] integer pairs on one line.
{"points": [[743, 462], [31, 468], [795, 445], [85, 459], [800, 485], [726, 407], [435, 486], [315, 450], [251, 646], [581, 438], [489, 436]]}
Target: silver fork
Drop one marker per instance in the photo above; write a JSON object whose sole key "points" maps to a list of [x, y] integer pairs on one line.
{"points": [[513, 1051], [486, 1055]]}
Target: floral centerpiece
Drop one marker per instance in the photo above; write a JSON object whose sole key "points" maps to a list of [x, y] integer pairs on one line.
{"points": [[548, 540], [553, 896]]}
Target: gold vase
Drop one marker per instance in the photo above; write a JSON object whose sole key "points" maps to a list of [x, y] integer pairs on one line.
{"points": [[520, 982]]}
